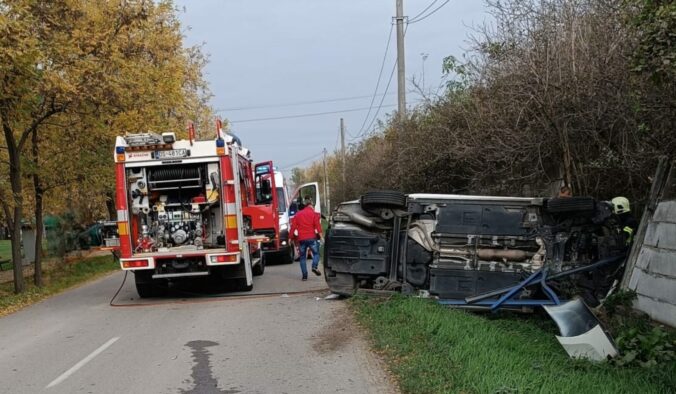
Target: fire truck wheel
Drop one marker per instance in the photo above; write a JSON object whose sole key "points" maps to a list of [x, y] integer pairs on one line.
{"points": [[259, 268], [289, 255], [150, 289], [144, 290], [146, 287]]}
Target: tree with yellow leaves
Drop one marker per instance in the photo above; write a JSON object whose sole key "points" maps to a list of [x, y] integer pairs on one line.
{"points": [[72, 75]]}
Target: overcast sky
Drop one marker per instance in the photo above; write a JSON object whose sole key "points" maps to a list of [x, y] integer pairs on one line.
{"points": [[272, 53]]}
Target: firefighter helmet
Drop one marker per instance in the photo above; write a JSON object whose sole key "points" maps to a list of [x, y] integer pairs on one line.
{"points": [[620, 205]]}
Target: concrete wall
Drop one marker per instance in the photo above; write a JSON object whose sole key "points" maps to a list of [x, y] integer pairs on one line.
{"points": [[651, 268]]}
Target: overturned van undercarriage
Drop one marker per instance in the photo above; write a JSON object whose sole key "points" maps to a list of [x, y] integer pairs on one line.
{"points": [[466, 248]]}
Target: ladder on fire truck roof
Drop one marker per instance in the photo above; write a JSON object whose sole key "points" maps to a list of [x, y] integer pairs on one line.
{"points": [[142, 139]]}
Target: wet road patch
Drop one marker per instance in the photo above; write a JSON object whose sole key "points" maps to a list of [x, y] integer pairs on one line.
{"points": [[202, 375]]}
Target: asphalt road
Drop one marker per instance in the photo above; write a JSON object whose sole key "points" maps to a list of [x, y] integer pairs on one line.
{"points": [[283, 343]]}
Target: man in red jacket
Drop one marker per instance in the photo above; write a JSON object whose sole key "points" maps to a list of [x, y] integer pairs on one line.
{"points": [[306, 229]]}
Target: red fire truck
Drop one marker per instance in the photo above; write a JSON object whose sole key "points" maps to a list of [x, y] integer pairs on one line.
{"points": [[188, 208]]}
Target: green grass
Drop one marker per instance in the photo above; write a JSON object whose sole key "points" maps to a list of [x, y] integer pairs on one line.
{"points": [[432, 349], [6, 254], [5, 249], [56, 280]]}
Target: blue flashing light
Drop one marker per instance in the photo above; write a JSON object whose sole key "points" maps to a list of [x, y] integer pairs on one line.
{"points": [[119, 150], [220, 143]]}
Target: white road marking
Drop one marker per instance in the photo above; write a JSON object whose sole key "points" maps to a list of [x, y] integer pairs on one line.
{"points": [[82, 363]]}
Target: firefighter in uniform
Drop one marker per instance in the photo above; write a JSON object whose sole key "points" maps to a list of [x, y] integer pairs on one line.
{"points": [[627, 222]]}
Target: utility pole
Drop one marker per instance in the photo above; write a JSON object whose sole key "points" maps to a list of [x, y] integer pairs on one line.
{"points": [[342, 152], [424, 57], [401, 80], [401, 72], [327, 199]]}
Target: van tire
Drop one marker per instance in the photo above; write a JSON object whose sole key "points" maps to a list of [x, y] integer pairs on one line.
{"points": [[259, 269], [288, 255], [383, 199], [571, 204]]}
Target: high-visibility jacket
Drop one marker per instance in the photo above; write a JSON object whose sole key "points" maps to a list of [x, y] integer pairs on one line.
{"points": [[629, 226]]}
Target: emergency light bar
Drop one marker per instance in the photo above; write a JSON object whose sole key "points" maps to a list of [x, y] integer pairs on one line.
{"points": [[220, 146]]}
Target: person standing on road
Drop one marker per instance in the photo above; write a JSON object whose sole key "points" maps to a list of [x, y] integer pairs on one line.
{"points": [[306, 228]]}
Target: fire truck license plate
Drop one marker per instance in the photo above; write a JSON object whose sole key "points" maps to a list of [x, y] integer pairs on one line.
{"points": [[171, 154]]}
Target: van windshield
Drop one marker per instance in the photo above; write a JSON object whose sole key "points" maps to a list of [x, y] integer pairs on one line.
{"points": [[281, 199]]}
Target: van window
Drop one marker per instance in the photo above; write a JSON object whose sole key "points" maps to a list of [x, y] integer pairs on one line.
{"points": [[281, 199]]}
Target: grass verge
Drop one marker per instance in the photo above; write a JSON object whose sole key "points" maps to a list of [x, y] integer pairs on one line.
{"points": [[432, 349], [6, 253], [56, 280], [5, 249]]}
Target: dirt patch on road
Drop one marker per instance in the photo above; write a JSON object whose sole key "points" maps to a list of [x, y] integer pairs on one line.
{"points": [[344, 334], [338, 333]]}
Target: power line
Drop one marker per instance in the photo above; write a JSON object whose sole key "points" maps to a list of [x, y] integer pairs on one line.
{"points": [[289, 166], [380, 74], [387, 88], [381, 102], [414, 20], [292, 104], [304, 115], [423, 11]]}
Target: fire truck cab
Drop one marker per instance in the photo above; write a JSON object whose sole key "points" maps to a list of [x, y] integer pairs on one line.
{"points": [[188, 208], [279, 247]]}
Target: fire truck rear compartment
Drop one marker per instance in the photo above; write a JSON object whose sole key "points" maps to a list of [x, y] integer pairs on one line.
{"points": [[176, 206]]}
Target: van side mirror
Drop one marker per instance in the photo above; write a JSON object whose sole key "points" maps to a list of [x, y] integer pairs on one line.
{"points": [[293, 208]]}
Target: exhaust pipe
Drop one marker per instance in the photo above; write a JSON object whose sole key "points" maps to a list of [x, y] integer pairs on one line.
{"points": [[361, 219]]}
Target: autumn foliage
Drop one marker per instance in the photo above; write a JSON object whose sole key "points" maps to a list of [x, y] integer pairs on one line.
{"points": [[73, 74]]}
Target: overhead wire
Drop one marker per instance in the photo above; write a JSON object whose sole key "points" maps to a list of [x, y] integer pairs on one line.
{"points": [[292, 104], [300, 115], [362, 131], [380, 74], [419, 19], [415, 19], [425, 10], [289, 166], [380, 106]]}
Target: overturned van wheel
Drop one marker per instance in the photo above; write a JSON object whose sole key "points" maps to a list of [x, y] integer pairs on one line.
{"points": [[383, 199], [339, 283], [571, 204]]}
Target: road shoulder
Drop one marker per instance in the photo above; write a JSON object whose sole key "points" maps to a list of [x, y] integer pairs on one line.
{"points": [[344, 333]]}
